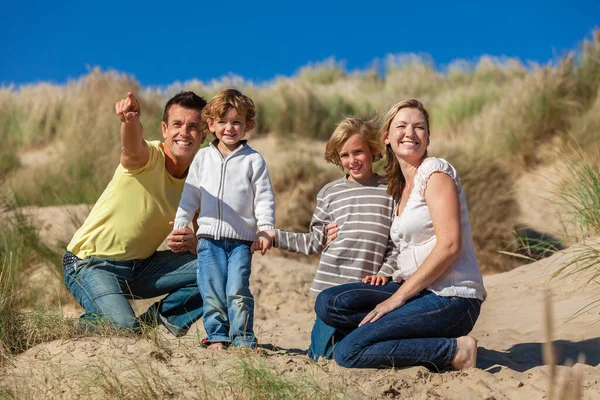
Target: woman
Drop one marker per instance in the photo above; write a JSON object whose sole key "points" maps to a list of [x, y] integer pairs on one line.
{"points": [[424, 315]]}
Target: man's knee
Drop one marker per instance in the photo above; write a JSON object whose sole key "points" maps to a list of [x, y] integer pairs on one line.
{"points": [[124, 322]]}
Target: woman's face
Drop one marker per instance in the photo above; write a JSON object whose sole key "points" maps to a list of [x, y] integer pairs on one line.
{"points": [[408, 135]]}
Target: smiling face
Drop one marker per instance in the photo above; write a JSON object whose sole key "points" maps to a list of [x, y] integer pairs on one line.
{"points": [[408, 135], [357, 159], [229, 129], [182, 134]]}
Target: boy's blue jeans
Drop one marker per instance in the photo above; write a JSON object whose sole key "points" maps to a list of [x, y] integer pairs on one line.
{"points": [[421, 332], [102, 287], [224, 280], [323, 339]]}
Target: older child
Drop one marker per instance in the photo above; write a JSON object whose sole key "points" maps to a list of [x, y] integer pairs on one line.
{"points": [[229, 183], [363, 211]]}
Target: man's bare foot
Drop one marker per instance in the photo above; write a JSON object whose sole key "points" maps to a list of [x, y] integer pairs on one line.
{"points": [[466, 353], [216, 346]]}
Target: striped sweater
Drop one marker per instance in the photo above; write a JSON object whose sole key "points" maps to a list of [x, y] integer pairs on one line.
{"points": [[364, 214]]}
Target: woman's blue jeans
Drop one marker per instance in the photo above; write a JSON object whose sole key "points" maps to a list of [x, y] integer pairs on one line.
{"points": [[421, 332], [102, 287], [224, 279]]}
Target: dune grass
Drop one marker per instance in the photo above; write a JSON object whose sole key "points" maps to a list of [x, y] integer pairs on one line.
{"points": [[492, 119], [492, 109], [243, 376], [579, 192]]}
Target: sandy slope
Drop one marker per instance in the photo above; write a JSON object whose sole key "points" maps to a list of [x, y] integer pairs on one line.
{"points": [[509, 333]]}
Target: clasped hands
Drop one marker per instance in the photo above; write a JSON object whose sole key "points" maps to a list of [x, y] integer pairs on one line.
{"points": [[183, 239]]}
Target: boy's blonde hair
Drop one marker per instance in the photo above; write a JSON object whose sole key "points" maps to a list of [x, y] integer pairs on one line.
{"points": [[225, 101], [367, 129]]}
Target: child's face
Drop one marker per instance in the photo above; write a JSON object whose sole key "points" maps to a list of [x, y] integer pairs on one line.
{"points": [[357, 159], [229, 129]]}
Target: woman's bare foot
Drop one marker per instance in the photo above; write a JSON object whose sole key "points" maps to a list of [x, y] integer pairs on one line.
{"points": [[216, 346], [466, 353]]}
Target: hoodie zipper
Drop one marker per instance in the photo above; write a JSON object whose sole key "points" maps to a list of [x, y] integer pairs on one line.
{"points": [[221, 189]]}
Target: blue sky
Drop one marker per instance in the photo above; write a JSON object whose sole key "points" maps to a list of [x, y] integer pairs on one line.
{"points": [[163, 42]]}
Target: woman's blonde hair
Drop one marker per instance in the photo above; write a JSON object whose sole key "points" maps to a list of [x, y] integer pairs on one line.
{"points": [[226, 100], [393, 174], [366, 128]]}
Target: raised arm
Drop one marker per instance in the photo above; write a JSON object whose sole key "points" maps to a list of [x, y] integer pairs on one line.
{"points": [[442, 200], [134, 150]]}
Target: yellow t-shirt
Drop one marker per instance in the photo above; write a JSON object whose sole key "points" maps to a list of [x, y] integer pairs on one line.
{"points": [[131, 217]]}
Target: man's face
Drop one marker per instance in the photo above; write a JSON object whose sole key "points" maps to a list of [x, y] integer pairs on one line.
{"points": [[182, 134]]}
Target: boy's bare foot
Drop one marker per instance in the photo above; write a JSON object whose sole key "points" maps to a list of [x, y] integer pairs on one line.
{"points": [[216, 346], [466, 353]]}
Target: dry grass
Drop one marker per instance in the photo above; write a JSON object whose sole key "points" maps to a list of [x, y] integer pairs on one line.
{"points": [[491, 119], [570, 387], [494, 109]]}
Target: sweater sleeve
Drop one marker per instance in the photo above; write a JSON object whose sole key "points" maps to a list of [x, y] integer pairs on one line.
{"points": [[315, 240], [390, 260], [264, 199], [190, 198]]}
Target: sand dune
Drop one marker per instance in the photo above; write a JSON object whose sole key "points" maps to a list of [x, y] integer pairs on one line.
{"points": [[509, 332]]}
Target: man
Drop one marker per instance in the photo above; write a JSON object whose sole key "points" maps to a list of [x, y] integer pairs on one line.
{"points": [[113, 256]]}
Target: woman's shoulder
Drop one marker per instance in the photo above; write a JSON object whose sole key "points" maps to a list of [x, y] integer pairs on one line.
{"points": [[434, 164], [431, 165]]}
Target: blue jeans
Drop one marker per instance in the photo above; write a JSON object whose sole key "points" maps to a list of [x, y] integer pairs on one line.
{"points": [[224, 280], [421, 332], [102, 287], [323, 339]]}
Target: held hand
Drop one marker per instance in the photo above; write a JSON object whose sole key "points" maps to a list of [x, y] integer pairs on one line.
{"points": [[332, 232], [381, 309], [376, 280], [263, 241], [180, 240], [128, 109]]}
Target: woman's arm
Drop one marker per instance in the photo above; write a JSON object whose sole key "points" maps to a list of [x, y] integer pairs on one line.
{"points": [[442, 200]]}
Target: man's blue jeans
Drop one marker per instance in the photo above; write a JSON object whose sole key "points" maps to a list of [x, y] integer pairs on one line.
{"points": [[224, 279], [421, 332], [102, 287]]}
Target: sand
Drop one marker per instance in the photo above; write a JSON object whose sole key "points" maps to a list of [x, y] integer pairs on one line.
{"points": [[509, 332]]}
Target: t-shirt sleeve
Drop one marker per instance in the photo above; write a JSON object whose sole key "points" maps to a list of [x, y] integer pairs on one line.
{"points": [[153, 160]]}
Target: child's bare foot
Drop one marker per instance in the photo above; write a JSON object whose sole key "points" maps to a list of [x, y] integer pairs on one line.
{"points": [[216, 346], [466, 353]]}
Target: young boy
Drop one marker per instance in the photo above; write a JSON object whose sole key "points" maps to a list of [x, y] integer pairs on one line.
{"points": [[229, 183], [363, 211]]}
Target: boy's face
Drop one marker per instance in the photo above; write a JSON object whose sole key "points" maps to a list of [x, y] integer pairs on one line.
{"points": [[229, 129], [357, 159]]}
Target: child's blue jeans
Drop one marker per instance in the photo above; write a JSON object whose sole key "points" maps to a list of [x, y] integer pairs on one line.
{"points": [[322, 340], [224, 280]]}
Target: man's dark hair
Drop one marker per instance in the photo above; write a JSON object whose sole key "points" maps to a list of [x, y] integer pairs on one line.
{"points": [[189, 100]]}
